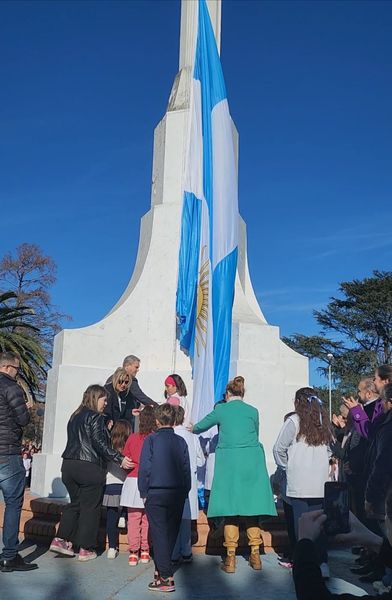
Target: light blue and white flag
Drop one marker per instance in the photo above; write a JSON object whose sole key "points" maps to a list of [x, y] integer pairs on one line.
{"points": [[209, 229]]}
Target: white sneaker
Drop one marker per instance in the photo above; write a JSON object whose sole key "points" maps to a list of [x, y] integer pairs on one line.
{"points": [[324, 568], [121, 523], [112, 553]]}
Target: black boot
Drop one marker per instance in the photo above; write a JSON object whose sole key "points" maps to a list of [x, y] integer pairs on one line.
{"points": [[16, 564]]}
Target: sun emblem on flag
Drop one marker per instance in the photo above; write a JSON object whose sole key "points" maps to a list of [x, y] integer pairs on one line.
{"points": [[202, 302]]}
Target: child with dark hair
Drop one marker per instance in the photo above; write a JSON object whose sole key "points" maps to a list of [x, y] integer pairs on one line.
{"points": [[176, 394], [137, 519], [114, 482], [164, 482]]}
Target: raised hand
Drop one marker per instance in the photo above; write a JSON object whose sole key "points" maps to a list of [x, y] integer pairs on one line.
{"points": [[350, 402]]}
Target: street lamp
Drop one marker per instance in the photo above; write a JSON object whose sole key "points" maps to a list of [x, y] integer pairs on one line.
{"points": [[330, 359]]}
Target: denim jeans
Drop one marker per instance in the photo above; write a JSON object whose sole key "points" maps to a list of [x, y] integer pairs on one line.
{"points": [[304, 505], [12, 484]]}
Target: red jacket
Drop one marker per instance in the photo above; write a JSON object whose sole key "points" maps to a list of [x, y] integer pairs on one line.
{"points": [[132, 449]]}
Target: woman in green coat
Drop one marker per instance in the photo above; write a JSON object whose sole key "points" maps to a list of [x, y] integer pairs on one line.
{"points": [[241, 486]]}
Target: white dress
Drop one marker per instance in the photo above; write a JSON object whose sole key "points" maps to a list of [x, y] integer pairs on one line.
{"points": [[196, 458], [130, 496], [210, 441]]}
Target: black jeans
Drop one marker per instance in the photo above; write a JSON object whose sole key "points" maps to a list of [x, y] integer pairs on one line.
{"points": [[288, 513], [164, 513], [80, 520]]}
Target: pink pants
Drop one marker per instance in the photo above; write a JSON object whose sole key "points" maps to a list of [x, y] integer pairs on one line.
{"points": [[137, 530]]}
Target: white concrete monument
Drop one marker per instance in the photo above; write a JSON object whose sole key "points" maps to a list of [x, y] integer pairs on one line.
{"points": [[143, 322]]}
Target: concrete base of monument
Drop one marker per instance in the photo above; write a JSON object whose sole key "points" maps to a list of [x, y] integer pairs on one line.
{"points": [[40, 517]]}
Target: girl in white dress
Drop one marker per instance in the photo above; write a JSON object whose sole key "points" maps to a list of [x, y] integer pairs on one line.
{"points": [[183, 548]]}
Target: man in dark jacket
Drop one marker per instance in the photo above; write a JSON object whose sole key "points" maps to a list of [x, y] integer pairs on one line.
{"points": [[13, 416], [164, 482], [365, 414], [367, 409], [131, 364]]}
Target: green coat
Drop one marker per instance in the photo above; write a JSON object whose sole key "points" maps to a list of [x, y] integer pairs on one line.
{"points": [[241, 484]]}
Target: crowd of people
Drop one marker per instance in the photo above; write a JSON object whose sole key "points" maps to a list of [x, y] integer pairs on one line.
{"points": [[354, 449], [142, 461]]}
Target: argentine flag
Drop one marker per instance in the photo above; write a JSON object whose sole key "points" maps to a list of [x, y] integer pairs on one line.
{"points": [[209, 228]]}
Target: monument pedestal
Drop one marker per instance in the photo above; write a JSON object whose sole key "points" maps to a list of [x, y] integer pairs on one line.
{"points": [[143, 322]]}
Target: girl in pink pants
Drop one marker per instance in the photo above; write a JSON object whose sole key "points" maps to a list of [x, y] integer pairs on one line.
{"points": [[137, 520]]}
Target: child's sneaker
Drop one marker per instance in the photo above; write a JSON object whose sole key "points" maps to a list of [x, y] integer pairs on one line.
{"points": [[162, 585], [133, 559], [112, 553], [121, 523], [61, 547], [144, 557], [85, 555]]}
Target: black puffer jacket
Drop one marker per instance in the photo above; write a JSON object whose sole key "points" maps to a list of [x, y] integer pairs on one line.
{"points": [[13, 415], [89, 440]]}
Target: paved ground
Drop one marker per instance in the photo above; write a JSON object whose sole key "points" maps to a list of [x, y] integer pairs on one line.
{"points": [[101, 579], [61, 578]]}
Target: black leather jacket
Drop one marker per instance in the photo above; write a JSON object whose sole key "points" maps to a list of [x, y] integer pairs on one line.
{"points": [[13, 415], [89, 440]]}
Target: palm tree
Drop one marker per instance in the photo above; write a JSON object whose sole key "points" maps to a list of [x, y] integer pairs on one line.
{"points": [[16, 335]]}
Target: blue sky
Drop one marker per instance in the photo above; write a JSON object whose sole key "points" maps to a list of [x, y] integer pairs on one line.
{"points": [[310, 90]]}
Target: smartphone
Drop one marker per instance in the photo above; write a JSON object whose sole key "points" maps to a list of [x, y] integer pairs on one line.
{"points": [[336, 507]]}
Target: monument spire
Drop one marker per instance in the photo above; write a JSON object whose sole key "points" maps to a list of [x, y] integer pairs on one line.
{"points": [[188, 31], [143, 321]]}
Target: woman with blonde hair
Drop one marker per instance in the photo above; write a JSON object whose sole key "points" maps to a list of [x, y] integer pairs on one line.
{"points": [[85, 459], [117, 406], [241, 486]]}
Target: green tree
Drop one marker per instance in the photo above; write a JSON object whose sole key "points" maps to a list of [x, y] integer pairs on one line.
{"points": [[18, 335], [356, 329]]}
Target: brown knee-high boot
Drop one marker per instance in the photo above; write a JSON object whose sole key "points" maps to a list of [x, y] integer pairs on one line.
{"points": [[231, 534], [255, 541]]}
